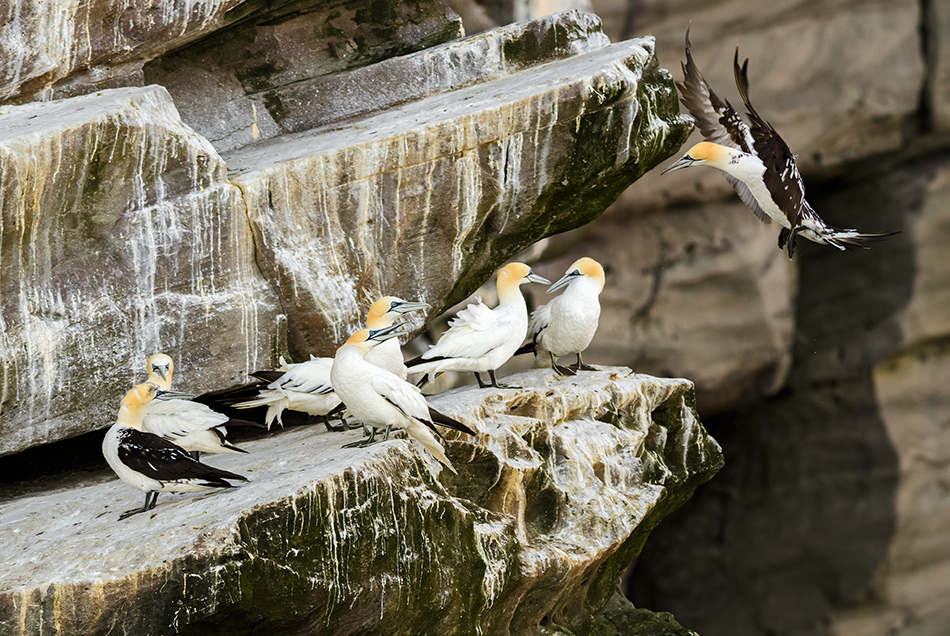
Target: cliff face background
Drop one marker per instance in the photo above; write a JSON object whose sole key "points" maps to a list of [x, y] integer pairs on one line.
{"points": [[824, 379]]}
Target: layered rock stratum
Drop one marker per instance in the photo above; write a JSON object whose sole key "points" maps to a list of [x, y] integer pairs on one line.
{"points": [[257, 207]]}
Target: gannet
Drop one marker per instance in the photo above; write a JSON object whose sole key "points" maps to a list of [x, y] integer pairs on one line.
{"points": [[483, 339], [306, 386], [568, 323], [193, 426], [381, 399], [756, 161], [151, 463]]}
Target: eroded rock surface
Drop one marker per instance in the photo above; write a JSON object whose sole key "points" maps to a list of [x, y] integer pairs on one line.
{"points": [[120, 237], [556, 496], [124, 232]]}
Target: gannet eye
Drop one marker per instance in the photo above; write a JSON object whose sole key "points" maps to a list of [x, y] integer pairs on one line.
{"points": [[576, 272], [393, 304]]}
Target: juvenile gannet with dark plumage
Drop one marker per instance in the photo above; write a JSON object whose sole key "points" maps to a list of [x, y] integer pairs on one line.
{"points": [[481, 339], [306, 386], [193, 426], [381, 399], [150, 462], [756, 161], [568, 323]]}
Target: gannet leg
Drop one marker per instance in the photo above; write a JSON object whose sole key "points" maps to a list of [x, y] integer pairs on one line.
{"points": [[580, 366]]}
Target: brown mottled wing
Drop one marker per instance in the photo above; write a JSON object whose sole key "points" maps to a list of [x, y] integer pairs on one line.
{"points": [[781, 172], [718, 122]]}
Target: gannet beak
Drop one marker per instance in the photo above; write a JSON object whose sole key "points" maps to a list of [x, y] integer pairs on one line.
{"points": [[161, 371], [567, 278], [534, 278], [685, 162], [384, 334], [162, 394], [407, 306]]}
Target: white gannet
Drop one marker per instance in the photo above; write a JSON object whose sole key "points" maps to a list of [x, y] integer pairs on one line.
{"points": [[568, 323], [381, 399], [151, 463], [306, 386], [193, 426], [483, 339], [756, 161]]}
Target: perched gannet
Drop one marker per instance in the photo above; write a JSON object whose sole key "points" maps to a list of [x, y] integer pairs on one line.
{"points": [[193, 426], [483, 339], [756, 161], [306, 387], [381, 399], [151, 463], [568, 323]]}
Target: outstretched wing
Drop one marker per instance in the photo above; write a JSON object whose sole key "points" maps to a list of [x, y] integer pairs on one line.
{"points": [[781, 172], [718, 122]]}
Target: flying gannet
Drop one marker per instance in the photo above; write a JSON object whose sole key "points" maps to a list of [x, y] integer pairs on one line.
{"points": [[756, 161]]}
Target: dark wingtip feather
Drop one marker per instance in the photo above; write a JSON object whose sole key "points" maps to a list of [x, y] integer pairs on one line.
{"points": [[448, 422]]}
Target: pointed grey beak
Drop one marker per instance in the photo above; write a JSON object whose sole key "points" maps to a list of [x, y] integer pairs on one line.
{"points": [[161, 371], [685, 162], [406, 307], [534, 278], [162, 394], [563, 282], [386, 333]]}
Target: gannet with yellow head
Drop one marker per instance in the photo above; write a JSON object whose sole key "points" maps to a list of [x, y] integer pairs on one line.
{"points": [[481, 339], [567, 324], [756, 161], [151, 463], [380, 399]]}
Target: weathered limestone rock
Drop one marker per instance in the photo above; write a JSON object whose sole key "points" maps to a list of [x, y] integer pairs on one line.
{"points": [[270, 74], [558, 494], [41, 43], [120, 237], [425, 200]]}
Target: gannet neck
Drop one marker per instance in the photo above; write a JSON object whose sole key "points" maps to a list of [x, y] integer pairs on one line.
{"points": [[132, 408]]}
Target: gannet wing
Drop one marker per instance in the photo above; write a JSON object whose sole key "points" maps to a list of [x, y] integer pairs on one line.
{"points": [[176, 418], [401, 394], [781, 172], [156, 457], [473, 333], [718, 122], [540, 319], [312, 376]]}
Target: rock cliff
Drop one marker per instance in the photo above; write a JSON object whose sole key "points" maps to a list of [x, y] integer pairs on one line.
{"points": [[286, 177], [554, 498]]}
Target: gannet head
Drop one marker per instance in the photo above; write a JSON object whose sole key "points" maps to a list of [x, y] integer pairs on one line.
{"points": [[515, 274], [132, 408], [387, 309], [160, 367], [366, 339], [703, 153], [582, 267]]}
